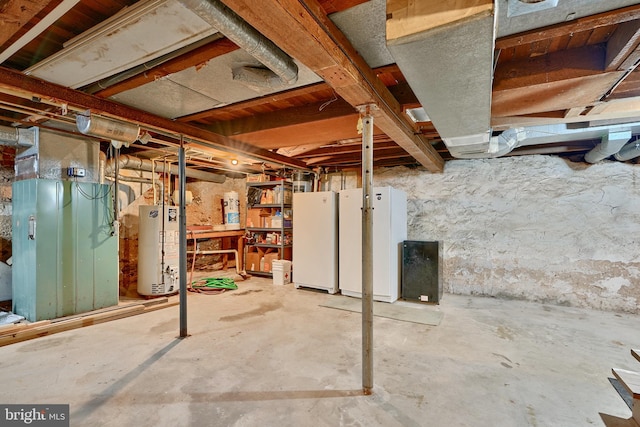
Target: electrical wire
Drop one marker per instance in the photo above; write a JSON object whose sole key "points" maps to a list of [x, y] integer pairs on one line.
{"points": [[96, 196]]}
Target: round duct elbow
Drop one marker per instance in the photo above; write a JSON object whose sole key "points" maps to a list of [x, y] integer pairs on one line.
{"points": [[260, 78], [628, 152]]}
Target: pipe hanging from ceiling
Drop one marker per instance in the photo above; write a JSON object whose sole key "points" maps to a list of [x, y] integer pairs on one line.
{"points": [[611, 144], [246, 37], [629, 151], [510, 139], [126, 161]]}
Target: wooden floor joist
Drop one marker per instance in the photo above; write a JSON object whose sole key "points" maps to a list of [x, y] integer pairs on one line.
{"points": [[23, 332]]}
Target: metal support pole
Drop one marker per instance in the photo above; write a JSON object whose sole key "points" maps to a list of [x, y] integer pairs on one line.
{"points": [[116, 198], [367, 250], [183, 240]]}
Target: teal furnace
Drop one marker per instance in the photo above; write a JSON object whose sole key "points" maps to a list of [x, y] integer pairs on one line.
{"points": [[65, 249]]}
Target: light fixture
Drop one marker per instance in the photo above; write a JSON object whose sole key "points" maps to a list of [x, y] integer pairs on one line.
{"points": [[234, 162], [120, 133]]}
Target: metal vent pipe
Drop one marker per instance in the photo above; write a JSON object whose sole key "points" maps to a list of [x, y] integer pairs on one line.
{"points": [[16, 137], [611, 144], [629, 151], [130, 162], [246, 37]]}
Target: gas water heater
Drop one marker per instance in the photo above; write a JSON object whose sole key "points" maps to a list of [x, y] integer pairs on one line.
{"points": [[158, 250]]}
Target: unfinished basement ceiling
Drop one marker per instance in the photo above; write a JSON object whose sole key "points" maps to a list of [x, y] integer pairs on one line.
{"points": [[138, 34], [340, 50], [197, 89], [564, 11]]}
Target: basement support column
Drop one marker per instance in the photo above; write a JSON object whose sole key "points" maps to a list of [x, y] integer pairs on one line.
{"points": [[367, 248], [183, 239]]}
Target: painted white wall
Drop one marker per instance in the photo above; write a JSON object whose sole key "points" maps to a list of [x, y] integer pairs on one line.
{"points": [[537, 228]]}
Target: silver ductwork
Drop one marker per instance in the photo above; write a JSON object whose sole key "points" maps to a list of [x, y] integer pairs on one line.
{"points": [[613, 137], [246, 37], [103, 127], [17, 137], [131, 162], [628, 152], [611, 144], [448, 60]]}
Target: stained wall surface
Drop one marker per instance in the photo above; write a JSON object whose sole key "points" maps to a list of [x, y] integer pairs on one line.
{"points": [[537, 228]]}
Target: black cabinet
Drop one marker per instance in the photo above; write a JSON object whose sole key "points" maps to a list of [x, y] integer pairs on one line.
{"points": [[421, 273]]}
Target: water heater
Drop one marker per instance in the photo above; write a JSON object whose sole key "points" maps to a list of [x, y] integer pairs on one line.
{"points": [[158, 250]]}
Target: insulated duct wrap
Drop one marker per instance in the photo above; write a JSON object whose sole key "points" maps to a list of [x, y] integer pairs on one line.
{"points": [[104, 127], [246, 37], [131, 162]]}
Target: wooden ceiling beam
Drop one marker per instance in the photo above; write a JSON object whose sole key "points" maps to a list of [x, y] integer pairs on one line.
{"points": [[586, 23], [195, 58], [16, 14], [557, 66], [345, 149], [552, 96], [215, 113], [622, 47], [557, 81], [350, 158], [16, 82], [333, 6], [316, 112], [283, 118], [302, 29]]}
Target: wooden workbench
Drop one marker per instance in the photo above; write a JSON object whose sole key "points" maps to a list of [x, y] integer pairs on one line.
{"points": [[197, 232]]}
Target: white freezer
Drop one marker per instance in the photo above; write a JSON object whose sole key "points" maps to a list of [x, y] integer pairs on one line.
{"points": [[389, 231], [315, 240]]}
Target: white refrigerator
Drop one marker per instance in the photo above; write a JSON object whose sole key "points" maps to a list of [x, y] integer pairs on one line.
{"points": [[389, 231], [315, 240]]}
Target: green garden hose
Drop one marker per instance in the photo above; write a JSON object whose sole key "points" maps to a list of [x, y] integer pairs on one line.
{"points": [[213, 285]]}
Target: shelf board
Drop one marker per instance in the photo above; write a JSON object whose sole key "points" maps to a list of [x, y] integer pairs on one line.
{"points": [[269, 229], [269, 184], [266, 245], [260, 273], [271, 205]]}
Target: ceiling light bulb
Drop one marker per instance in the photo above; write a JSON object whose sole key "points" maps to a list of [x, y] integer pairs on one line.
{"points": [[234, 161]]}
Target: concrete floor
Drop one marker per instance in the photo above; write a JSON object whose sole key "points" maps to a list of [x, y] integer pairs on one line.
{"points": [[267, 355]]}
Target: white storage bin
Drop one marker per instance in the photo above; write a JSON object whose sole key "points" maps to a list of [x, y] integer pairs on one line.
{"points": [[281, 269]]}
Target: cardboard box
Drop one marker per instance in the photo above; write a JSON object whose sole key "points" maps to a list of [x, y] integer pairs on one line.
{"points": [[253, 218], [258, 177], [252, 261], [268, 259]]}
